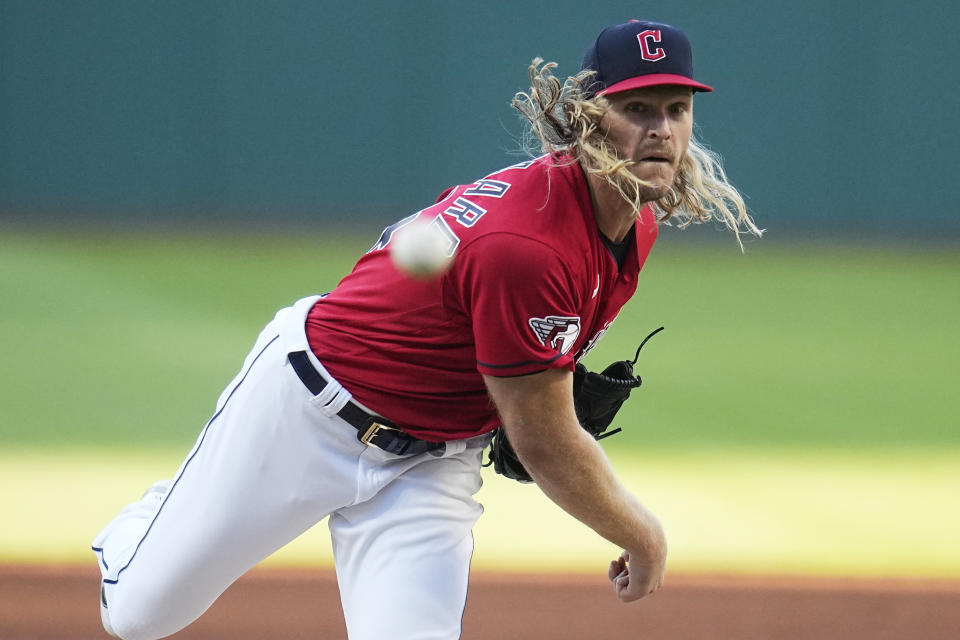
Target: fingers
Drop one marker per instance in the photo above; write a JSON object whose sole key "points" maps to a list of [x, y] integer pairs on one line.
{"points": [[617, 567], [613, 570], [619, 575], [633, 581]]}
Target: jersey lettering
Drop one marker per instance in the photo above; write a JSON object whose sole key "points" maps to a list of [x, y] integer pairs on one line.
{"points": [[556, 332], [647, 52], [521, 165], [388, 232], [466, 213], [487, 187], [452, 240]]}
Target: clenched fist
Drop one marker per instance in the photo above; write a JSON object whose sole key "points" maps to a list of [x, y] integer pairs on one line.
{"points": [[633, 579]]}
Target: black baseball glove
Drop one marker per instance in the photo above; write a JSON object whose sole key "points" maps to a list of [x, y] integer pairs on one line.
{"points": [[596, 398]]}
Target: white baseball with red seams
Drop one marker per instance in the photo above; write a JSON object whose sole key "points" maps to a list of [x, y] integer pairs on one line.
{"points": [[420, 249]]}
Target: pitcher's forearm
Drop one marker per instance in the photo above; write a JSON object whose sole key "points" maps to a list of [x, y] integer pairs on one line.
{"points": [[575, 474]]}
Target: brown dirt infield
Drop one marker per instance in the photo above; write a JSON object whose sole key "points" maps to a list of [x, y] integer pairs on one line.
{"points": [[43, 602]]}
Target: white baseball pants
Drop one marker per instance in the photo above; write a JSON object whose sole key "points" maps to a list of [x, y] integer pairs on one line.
{"points": [[273, 461]]}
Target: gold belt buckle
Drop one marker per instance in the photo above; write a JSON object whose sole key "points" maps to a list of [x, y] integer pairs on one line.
{"points": [[372, 431]]}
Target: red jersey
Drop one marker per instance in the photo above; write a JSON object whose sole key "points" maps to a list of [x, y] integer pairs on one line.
{"points": [[531, 287]]}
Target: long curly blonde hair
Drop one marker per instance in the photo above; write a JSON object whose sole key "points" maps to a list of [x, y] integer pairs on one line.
{"points": [[565, 118]]}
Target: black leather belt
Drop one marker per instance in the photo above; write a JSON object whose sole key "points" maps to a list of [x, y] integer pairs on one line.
{"points": [[370, 429]]}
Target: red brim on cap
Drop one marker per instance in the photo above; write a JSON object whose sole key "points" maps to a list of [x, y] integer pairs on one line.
{"points": [[653, 80]]}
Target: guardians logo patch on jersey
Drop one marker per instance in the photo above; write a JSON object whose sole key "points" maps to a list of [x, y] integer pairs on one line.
{"points": [[556, 332]]}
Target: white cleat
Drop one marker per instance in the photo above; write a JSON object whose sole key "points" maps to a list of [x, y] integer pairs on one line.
{"points": [[155, 493], [143, 509]]}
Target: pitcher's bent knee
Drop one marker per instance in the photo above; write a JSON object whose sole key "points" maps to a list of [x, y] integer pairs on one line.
{"points": [[135, 612]]}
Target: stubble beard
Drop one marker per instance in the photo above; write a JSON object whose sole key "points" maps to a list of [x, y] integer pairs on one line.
{"points": [[659, 181], [652, 194], [655, 191]]}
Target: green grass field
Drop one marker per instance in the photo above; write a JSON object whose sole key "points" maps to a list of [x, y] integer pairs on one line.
{"points": [[128, 339], [796, 414]]}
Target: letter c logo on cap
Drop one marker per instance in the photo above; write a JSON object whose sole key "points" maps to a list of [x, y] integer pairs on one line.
{"points": [[647, 52]]}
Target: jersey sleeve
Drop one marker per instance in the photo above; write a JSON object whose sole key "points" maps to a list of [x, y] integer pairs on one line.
{"points": [[520, 299]]}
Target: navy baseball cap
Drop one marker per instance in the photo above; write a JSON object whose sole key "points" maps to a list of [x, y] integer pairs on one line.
{"points": [[639, 54]]}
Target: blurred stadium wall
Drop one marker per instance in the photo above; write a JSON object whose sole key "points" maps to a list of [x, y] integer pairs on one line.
{"points": [[837, 119]]}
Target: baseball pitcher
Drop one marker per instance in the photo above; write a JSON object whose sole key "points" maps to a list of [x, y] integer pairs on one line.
{"points": [[373, 404]]}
